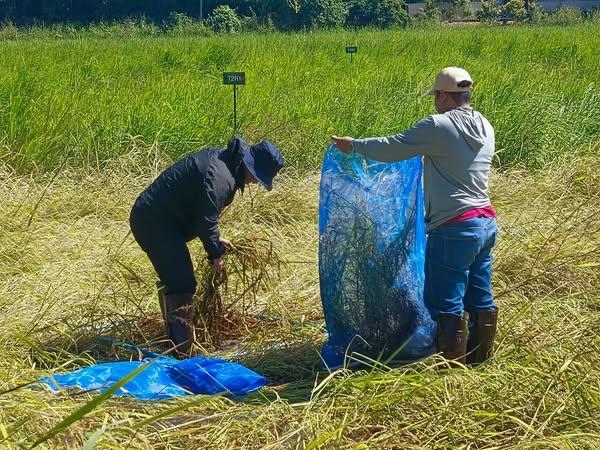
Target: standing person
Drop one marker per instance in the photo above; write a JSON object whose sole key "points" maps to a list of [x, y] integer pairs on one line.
{"points": [[184, 203], [458, 146]]}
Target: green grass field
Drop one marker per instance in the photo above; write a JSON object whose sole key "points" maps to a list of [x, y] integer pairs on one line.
{"points": [[86, 124], [90, 100]]}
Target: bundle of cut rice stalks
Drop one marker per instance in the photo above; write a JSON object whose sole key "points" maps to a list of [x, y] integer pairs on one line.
{"points": [[225, 301]]}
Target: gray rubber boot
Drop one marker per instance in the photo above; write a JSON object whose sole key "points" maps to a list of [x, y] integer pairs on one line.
{"points": [[482, 334], [452, 337], [181, 323]]}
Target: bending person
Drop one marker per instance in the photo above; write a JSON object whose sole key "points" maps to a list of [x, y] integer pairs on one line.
{"points": [[184, 203], [458, 146]]}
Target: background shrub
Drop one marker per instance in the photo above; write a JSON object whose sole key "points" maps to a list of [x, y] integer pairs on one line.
{"points": [[514, 10], [562, 16], [224, 20], [391, 13], [489, 11], [324, 13]]}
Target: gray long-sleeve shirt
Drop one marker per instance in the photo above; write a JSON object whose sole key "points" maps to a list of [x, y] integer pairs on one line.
{"points": [[457, 146]]}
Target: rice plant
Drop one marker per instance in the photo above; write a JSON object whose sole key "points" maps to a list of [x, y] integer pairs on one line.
{"points": [[86, 101]]}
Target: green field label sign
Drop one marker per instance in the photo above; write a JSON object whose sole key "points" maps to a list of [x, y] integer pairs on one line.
{"points": [[234, 78], [351, 50]]}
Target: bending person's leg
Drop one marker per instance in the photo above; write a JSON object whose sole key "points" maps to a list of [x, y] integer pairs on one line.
{"points": [[172, 261], [170, 256]]}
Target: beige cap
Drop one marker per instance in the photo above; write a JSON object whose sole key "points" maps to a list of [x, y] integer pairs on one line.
{"points": [[449, 78]]}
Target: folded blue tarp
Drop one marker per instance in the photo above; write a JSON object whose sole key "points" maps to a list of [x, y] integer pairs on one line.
{"points": [[164, 378]]}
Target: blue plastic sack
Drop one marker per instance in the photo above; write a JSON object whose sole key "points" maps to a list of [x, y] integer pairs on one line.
{"points": [[372, 259], [164, 378]]}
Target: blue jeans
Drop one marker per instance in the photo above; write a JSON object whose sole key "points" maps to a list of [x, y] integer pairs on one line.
{"points": [[458, 267]]}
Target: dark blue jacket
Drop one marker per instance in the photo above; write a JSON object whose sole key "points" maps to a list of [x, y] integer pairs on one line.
{"points": [[191, 194]]}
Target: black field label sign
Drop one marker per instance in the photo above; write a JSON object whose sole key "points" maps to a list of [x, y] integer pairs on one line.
{"points": [[351, 49], [234, 78]]}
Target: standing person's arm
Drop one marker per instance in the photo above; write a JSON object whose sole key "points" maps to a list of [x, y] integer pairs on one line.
{"points": [[417, 140]]}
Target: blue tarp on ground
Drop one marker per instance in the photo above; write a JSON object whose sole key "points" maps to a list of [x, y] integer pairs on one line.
{"points": [[164, 378], [372, 259]]}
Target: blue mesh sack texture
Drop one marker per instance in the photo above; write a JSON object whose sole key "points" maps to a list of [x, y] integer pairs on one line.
{"points": [[372, 259], [164, 378]]}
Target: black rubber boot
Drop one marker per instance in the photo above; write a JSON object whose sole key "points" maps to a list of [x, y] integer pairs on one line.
{"points": [[452, 337], [181, 323], [481, 337]]}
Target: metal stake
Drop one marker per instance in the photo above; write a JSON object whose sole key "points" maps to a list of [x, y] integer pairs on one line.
{"points": [[234, 108], [233, 79]]}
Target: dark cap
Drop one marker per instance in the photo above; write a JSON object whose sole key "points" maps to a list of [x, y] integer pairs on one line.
{"points": [[264, 162]]}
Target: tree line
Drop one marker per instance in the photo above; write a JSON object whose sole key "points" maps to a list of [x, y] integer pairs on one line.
{"points": [[199, 17], [282, 14]]}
